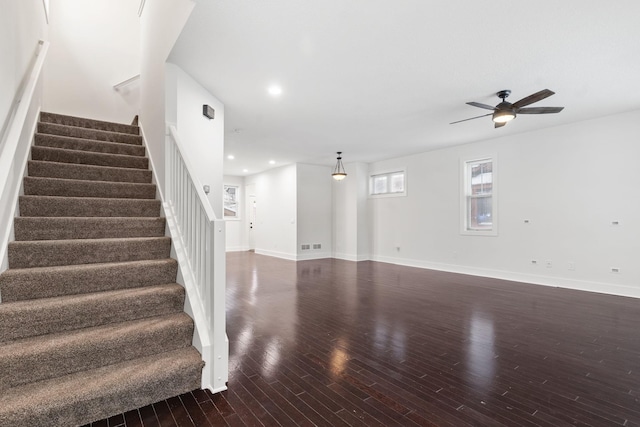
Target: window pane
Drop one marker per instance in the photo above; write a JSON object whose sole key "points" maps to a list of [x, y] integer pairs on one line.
{"points": [[380, 184], [230, 201], [480, 213], [481, 178], [397, 183]]}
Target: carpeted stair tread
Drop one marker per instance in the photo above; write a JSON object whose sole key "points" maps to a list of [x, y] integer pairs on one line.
{"points": [[62, 119], [64, 155], [88, 172], [20, 284], [57, 228], [85, 133], [43, 357], [32, 318], [87, 396], [41, 206], [70, 143], [39, 186], [43, 253]]}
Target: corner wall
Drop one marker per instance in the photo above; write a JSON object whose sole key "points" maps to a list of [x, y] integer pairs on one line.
{"points": [[314, 207], [350, 214], [570, 182], [94, 45]]}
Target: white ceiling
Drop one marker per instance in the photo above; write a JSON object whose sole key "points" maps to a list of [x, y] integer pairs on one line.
{"points": [[381, 79]]}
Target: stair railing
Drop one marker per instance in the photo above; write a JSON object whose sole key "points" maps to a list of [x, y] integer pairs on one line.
{"points": [[199, 243], [14, 147]]}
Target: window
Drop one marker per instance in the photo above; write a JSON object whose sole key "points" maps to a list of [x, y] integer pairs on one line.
{"points": [[230, 202], [388, 184], [479, 206]]}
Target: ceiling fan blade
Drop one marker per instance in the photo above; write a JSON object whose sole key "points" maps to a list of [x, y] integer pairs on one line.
{"points": [[479, 105], [499, 125], [540, 110], [538, 96], [472, 118]]}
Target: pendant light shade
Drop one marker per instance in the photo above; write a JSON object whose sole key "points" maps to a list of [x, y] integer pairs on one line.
{"points": [[338, 172]]}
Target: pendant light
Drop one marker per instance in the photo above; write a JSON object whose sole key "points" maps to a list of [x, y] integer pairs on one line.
{"points": [[338, 172]]}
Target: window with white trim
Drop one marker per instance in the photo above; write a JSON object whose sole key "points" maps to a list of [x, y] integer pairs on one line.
{"points": [[231, 202], [479, 193], [388, 184]]}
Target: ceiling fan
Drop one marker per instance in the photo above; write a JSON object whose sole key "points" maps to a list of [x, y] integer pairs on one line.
{"points": [[506, 111]]}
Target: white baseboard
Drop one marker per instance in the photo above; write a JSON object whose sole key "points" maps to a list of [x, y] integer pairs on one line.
{"points": [[237, 249], [313, 255], [559, 282], [351, 257], [277, 254]]}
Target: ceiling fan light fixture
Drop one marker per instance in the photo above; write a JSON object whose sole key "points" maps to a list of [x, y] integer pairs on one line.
{"points": [[338, 172], [503, 116]]}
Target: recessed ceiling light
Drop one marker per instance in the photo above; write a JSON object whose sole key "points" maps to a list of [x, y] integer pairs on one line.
{"points": [[245, 170], [231, 157], [272, 162], [274, 90]]}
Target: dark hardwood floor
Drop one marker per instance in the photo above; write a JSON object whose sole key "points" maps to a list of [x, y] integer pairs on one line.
{"points": [[337, 343]]}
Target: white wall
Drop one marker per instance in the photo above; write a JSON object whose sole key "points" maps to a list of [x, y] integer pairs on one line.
{"points": [[22, 24], [94, 45], [350, 214], [570, 182], [314, 210], [160, 26], [275, 229], [203, 139], [236, 228]]}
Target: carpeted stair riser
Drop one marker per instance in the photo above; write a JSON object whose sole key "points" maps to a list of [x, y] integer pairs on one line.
{"points": [[100, 393], [87, 172], [88, 123], [48, 282], [84, 133], [88, 158], [37, 186], [50, 228], [34, 359], [32, 318], [42, 206], [56, 141], [45, 253]]}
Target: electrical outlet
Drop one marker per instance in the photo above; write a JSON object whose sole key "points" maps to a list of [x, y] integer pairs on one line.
{"points": [[572, 266], [548, 264]]}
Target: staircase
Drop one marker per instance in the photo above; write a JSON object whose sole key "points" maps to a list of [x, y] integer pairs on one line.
{"points": [[91, 319]]}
